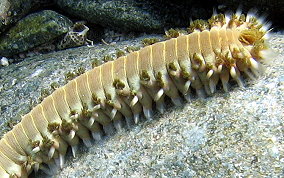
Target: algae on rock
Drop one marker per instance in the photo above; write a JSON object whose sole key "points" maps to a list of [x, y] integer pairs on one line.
{"points": [[33, 30], [13, 10], [122, 15]]}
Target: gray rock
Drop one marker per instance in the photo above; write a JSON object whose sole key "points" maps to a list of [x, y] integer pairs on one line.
{"points": [[4, 61], [123, 15], [13, 10], [137, 15], [33, 30]]}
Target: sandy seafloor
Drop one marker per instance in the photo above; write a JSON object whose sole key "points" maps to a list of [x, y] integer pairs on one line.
{"points": [[235, 134]]}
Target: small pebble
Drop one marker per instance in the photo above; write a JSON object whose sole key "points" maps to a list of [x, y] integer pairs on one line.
{"points": [[22, 55], [4, 61]]}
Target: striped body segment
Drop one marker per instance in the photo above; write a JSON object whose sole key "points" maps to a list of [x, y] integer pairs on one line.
{"points": [[102, 99]]}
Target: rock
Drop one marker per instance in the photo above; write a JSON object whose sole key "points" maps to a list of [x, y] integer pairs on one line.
{"points": [[137, 15], [33, 30], [13, 10], [4, 61], [123, 15]]}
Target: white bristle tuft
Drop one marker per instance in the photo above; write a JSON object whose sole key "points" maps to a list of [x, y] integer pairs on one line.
{"points": [[159, 94], [251, 13], [160, 107], [36, 149], [210, 73], [233, 72], [74, 149], [224, 81], [266, 27], [148, 113], [262, 19], [227, 19], [136, 118], [249, 74], [239, 12], [212, 86], [61, 160], [51, 152], [254, 64], [75, 116], [207, 89], [72, 134], [96, 107], [91, 121], [267, 36], [268, 55], [187, 85], [220, 67], [187, 97], [134, 101], [117, 125], [113, 113], [214, 12], [36, 167], [248, 16], [255, 72], [29, 167], [239, 82]]}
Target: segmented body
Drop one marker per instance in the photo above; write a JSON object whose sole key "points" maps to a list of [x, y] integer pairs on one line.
{"points": [[123, 89]]}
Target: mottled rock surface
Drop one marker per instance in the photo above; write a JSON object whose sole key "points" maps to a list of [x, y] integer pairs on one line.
{"points": [[13, 10], [239, 133], [33, 30], [137, 15]]}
